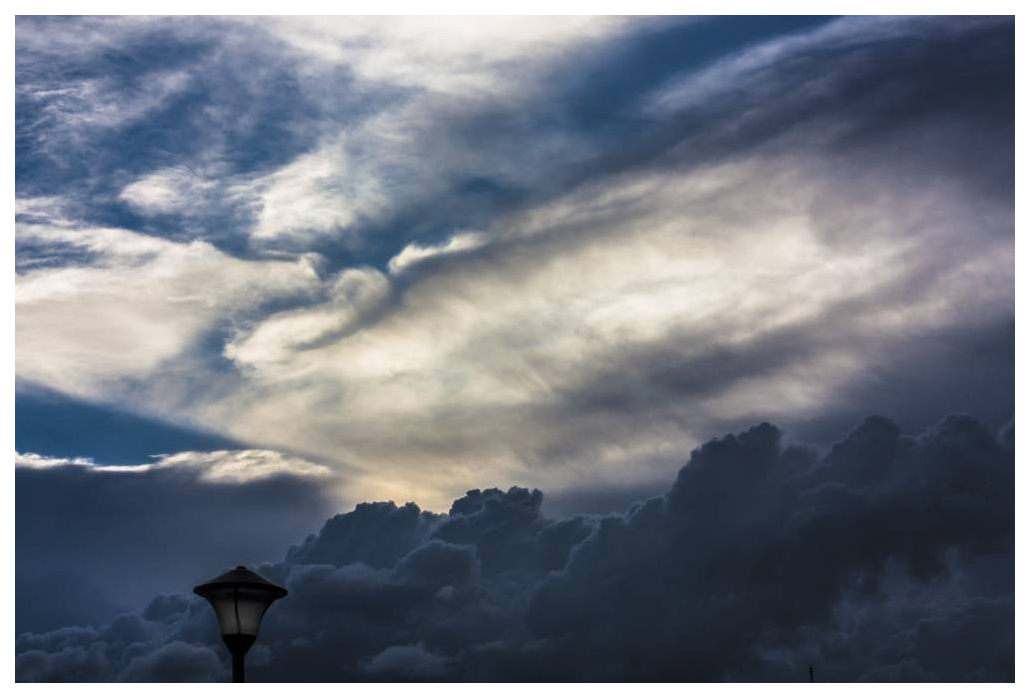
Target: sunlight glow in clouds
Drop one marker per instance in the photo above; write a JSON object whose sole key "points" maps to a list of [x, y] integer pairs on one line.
{"points": [[434, 252]]}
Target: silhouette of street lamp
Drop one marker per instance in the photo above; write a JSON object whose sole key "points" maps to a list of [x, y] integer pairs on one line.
{"points": [[240, 598]]}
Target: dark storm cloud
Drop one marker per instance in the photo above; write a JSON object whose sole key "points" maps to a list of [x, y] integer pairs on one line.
{"points": [[90, 543], [888, 558], [131, 647], [771, 542]]}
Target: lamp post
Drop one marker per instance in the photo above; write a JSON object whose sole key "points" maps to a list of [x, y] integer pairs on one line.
{"points": [[240, 598]]}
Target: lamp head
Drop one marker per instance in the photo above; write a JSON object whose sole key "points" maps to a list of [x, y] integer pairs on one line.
{"points": [[240, 598]]}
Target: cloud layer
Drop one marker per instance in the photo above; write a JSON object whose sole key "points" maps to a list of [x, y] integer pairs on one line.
{"points": [[95, 540], [426, 252], [887, 558]]}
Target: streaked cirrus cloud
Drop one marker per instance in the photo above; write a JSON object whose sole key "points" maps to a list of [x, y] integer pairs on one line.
{"points": [[429, 251]]}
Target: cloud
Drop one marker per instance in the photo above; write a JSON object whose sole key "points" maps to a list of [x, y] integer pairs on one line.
{"points": [[777, 541], [242, 466], [888, 557], [412, 662], [140, 306], [439, 54], [174, 662], [415, 253], [759, 227], [128, 648], [319, 193], [165, 191], [176, 518], [269, 344], [561, 327], [34, 460], [214, 466]]}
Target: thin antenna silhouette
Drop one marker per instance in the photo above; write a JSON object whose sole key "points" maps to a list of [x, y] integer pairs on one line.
{"points": [[811, 674]]}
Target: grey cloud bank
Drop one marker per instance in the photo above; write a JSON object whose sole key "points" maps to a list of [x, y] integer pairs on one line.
{"points": [[94, 540], [888, 558]]}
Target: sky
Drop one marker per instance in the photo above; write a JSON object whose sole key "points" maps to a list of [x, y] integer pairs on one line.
{"points": [[575, 294]]}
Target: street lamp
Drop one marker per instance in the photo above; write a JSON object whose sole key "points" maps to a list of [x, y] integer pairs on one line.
{"points": [[240, 598]]}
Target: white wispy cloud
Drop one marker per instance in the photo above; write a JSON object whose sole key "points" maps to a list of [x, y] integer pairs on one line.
{"points": [[234, 467], [415, 253], [169, 190], [90, 105], [34, 460], [646, 290], [470, 371], [276, 340], [141, 304], [439, 54]]}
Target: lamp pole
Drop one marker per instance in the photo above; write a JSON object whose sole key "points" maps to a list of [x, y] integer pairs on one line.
{"points": [[238, 645], [239, 598], [237, 668]]}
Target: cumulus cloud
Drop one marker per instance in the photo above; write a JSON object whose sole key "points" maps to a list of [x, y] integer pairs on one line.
{"points": [[888, 557], [412, 662], [174, 662], [130, 648]]}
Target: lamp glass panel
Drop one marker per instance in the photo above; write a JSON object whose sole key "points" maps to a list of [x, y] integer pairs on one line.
{"points": [[240, 609]]}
